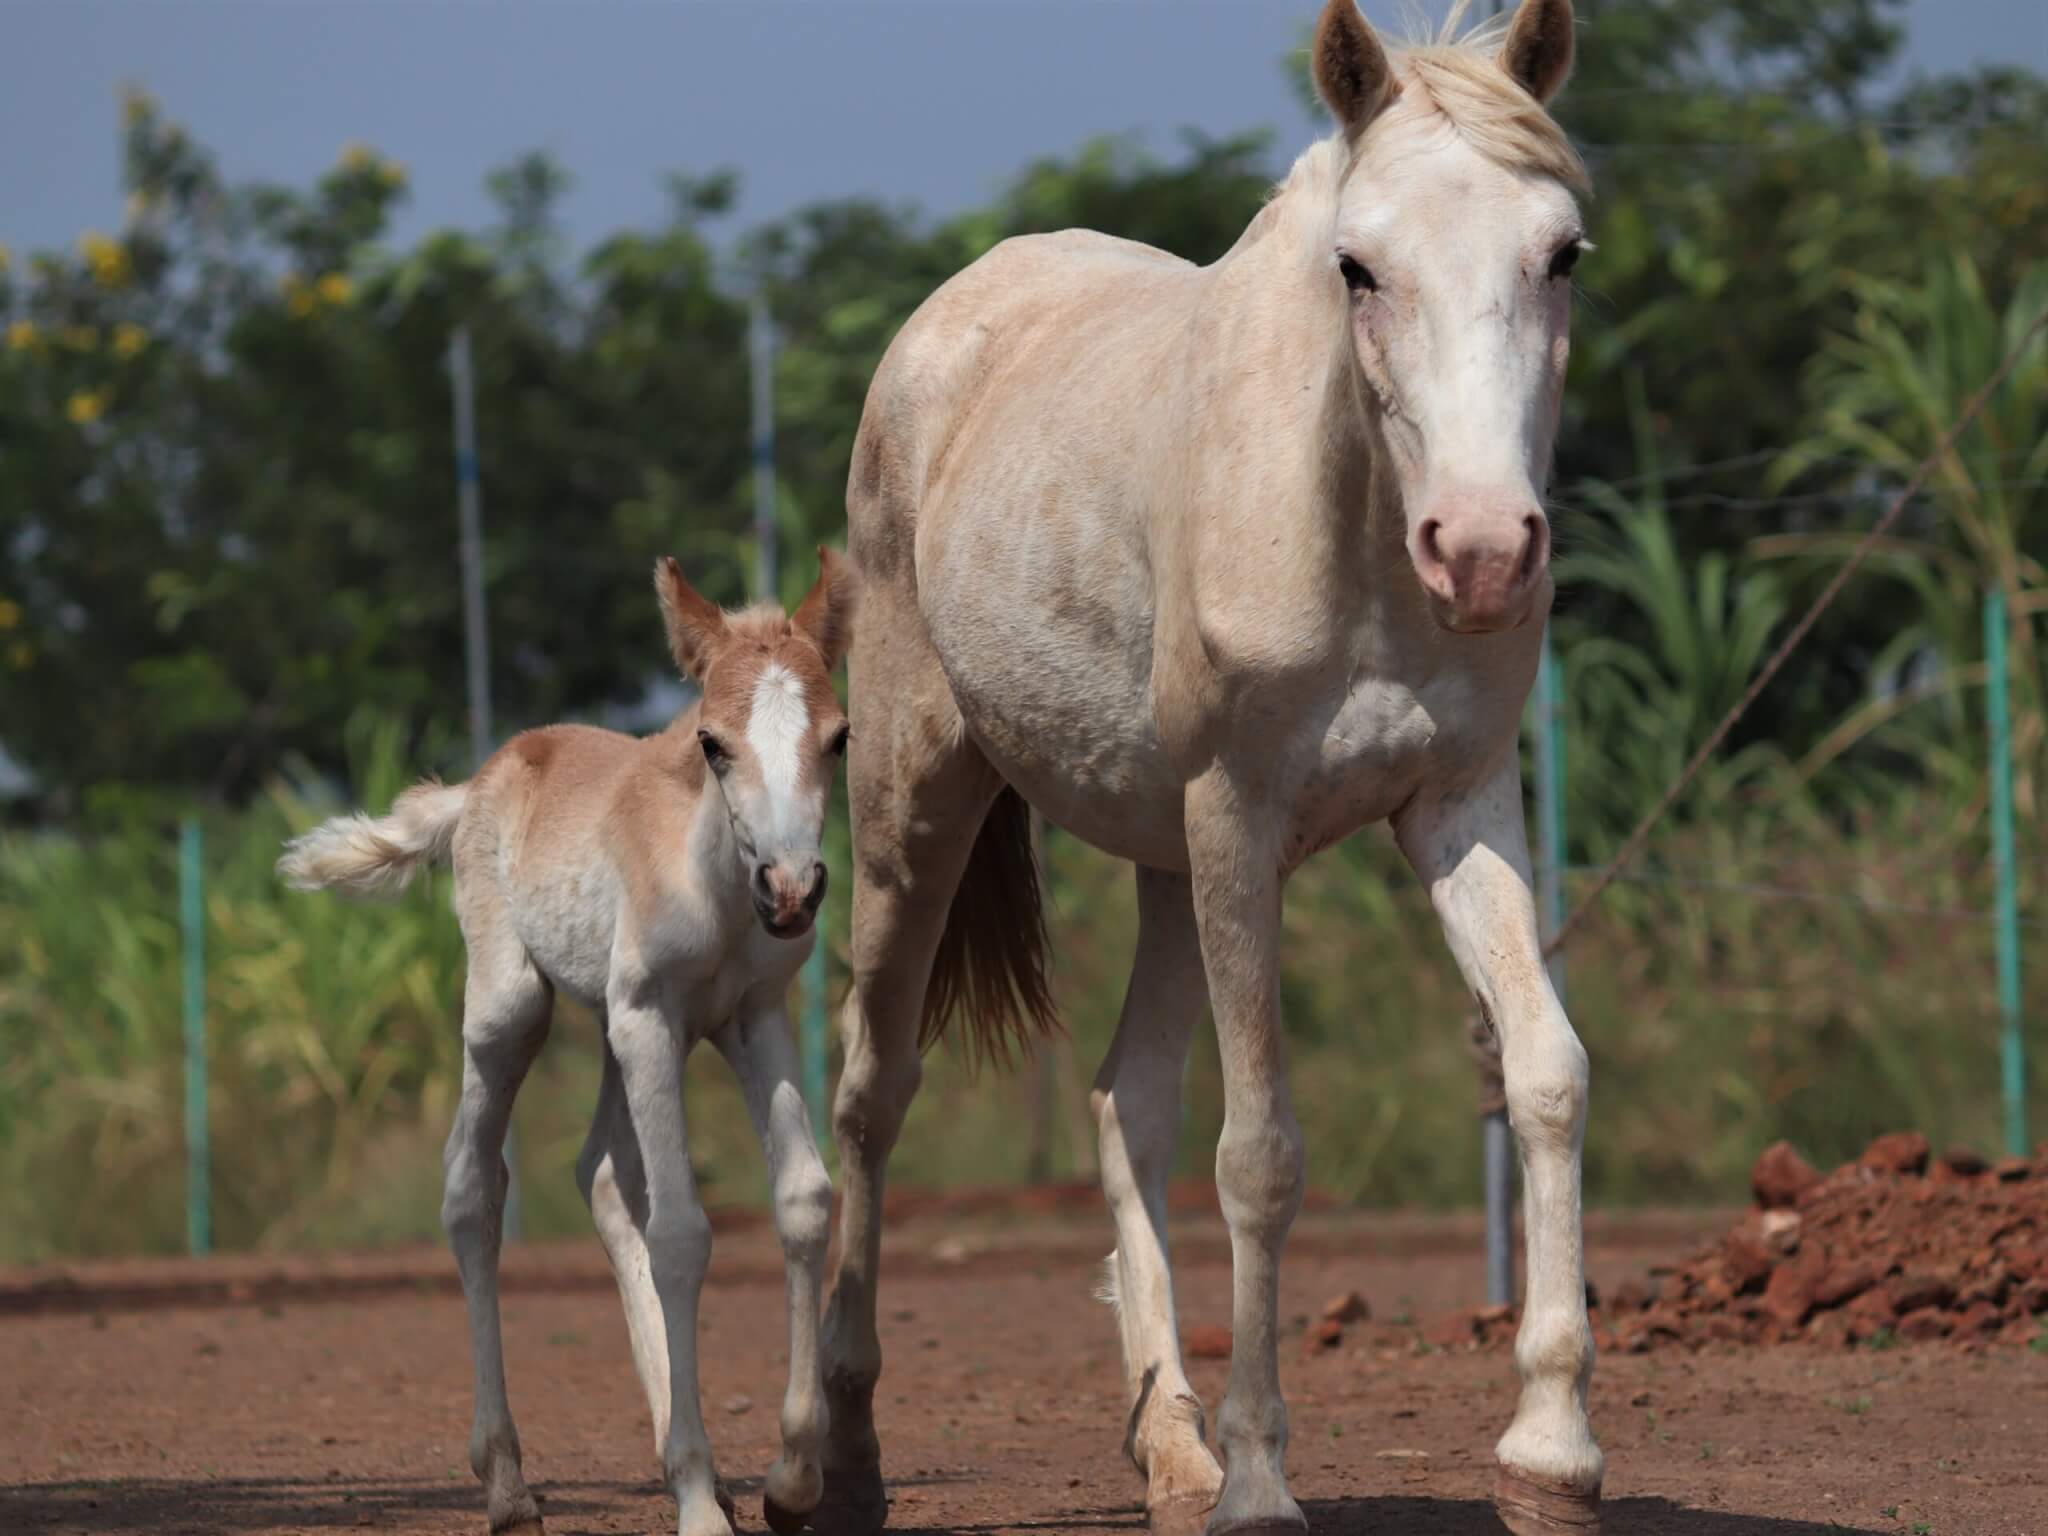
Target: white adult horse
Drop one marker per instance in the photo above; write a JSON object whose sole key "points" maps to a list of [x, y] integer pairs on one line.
{"points": [[1214, 566]]}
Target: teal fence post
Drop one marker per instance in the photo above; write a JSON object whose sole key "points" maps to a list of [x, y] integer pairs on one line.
{"points": [[192, 915], [2013, 1044]]}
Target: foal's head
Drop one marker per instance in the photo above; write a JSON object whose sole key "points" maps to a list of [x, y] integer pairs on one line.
{"points": [[769, 726], [1455, 235]]}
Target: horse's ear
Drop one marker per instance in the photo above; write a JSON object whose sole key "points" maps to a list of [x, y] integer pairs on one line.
{"points": [[1350, 67], [696, 625], [1538, 52], [826, 613]]}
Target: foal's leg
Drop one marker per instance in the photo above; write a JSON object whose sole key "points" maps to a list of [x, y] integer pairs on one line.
{"points": [[505, 1010], [614, 1185], [1137, 1108], [1472, 853], [677, 1234], [764, 1060], [918, 793], [1235, 870]]}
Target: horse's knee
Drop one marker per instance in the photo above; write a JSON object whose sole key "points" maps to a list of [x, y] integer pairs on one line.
{"points": [[1546, 1096]]}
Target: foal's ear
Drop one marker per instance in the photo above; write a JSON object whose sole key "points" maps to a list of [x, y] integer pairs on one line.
{"points": [[696, 625], [1538, 52], [826, 613], [1350, 67]]}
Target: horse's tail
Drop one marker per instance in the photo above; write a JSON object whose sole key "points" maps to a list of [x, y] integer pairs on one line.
{"points": [[992, 957], [377, 856]]}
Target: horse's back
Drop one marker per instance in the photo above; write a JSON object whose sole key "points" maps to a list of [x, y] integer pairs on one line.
{"points": [[1022, 318]]}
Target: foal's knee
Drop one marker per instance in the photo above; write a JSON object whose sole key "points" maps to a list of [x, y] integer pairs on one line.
{"points": [[803, 1209]]}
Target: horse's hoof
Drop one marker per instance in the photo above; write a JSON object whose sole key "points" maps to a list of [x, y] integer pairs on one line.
{"points": [[855, 1503], [1179, 1517], [1530, 1505], [782, 1520]]}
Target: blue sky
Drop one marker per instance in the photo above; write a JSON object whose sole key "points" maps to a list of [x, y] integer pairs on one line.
{"points": [[932, 102]]}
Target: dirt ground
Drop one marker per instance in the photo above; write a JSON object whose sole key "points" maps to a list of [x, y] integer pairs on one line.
{"points": [[248, 1395]]}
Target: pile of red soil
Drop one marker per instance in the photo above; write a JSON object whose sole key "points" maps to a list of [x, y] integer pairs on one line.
{"points": [[1894, 1244]]}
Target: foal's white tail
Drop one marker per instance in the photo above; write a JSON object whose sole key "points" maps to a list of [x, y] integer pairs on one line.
{"points": [[377, 856]]}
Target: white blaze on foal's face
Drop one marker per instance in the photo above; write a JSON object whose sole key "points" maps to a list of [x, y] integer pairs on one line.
{"points": [[770, 728]]}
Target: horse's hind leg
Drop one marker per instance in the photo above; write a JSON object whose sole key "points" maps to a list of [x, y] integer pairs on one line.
{"points": [[919, 792], [1137, 1108], [505, 1010]]}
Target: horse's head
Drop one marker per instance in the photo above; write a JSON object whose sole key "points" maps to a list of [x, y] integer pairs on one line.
{"points": [[1455, 236], [769, 726]]}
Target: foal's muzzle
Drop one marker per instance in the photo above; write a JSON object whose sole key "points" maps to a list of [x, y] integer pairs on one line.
{"points": [[786, 896]]}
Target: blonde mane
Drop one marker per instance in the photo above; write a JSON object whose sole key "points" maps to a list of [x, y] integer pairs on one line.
{"points": [[1456, 75]]}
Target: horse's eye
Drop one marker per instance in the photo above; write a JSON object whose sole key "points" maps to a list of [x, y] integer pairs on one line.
{"points": [[1356, 277], [837, 745], [1566, 258], [714, 751]]}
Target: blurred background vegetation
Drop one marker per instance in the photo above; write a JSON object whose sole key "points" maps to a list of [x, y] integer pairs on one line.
{"points": [[228, 583]]}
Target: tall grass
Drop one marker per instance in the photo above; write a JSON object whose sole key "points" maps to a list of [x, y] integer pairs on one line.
{"points": [[1718, 1015]]}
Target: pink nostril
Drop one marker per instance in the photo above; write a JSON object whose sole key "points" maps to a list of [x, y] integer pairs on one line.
{"points": [[1430, 548], [1535, 548]]}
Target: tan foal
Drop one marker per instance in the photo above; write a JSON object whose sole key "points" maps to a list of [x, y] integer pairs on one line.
{"points": [[668, 884]]}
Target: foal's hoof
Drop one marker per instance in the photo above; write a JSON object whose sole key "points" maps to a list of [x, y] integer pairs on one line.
{"points": [[1179, 1517], [1530, 1505], [855, 1503]]}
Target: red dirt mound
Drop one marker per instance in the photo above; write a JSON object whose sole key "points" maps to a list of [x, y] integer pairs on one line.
{"points": [[1895, 1244]]}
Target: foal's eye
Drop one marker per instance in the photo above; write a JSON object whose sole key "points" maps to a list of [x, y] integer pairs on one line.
{"points": [[1566, 258], [837, 745], [1356, 277], [714, 751]]}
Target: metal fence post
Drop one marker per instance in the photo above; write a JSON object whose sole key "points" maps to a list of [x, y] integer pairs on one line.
{"points": [[198, 1155], [2006, 919]]}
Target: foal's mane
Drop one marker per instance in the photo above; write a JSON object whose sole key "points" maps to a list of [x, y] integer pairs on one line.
{"points": [[1453, 74]]}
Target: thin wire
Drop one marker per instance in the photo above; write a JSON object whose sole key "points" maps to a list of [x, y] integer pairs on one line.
{"points": [[1794, 893], [1633, 845]]}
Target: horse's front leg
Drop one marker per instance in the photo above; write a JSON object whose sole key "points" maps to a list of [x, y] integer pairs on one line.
{"points": [[1471, 851], [1235, 872]]}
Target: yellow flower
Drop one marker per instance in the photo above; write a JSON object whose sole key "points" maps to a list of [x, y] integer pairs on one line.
{"points": [[335, 288], [107, 258], [357, 157], [86, 407], [21, 336], [80, 338], [20, 655], [391, 173], [129, 339], [10, 613]]}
